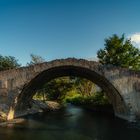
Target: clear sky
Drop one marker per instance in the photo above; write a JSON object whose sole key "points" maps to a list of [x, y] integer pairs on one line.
{"points": [[64, 28]]}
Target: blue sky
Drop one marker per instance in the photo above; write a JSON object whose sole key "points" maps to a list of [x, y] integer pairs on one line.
{"points": [[64, 28]]}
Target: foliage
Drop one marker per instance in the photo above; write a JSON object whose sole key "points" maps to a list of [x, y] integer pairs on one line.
{"points": [[71, 89], [35, 59], [60, 88], [57, 88], [40, 95], [84, 86], [95, 99], [8, 62], [119, 51]]}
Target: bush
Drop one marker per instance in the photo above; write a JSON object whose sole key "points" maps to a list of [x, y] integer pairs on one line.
{"points": [[96, 99]]}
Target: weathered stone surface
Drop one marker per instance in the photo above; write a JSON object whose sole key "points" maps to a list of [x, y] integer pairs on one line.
{"points": [[121, 85]]}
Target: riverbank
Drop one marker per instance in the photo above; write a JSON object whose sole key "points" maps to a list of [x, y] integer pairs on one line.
{"points": [[36, 107], [47, 106], [97, 103]]}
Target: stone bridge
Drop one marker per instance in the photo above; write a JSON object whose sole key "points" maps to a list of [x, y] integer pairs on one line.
{"points": [[18, 86]]}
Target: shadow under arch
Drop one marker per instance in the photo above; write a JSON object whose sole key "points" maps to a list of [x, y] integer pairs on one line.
{"points": [[36, 83]]}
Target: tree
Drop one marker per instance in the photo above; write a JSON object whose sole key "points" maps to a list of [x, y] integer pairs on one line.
{"points": [[84, 86], [119, 51], [56, 89], [8, 62], [35, 59]]}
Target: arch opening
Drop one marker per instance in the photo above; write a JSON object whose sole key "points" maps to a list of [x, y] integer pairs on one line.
{"points": [[36, 83]]}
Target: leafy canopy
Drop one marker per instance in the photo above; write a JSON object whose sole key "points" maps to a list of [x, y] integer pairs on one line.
{"points": [[8, 62], [119, 51]]}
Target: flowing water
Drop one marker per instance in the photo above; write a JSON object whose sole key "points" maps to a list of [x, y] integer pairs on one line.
{"points": [[71, 123]]}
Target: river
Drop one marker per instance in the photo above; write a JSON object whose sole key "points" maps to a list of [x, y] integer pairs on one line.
{"points": [[71, 123]]}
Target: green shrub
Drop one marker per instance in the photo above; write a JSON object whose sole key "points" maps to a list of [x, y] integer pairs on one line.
{"points": [[96, 99]]}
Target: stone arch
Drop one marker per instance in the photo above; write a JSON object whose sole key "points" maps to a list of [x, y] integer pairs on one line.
{"points": [[29, 90]]}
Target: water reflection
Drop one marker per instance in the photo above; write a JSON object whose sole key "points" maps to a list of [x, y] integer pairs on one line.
{"points": [[71, 123]]}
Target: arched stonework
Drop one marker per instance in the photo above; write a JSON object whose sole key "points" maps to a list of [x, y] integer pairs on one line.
{"points": [[121, 85], [38, 81]]}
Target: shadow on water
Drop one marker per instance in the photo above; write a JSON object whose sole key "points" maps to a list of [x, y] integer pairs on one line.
{"points": [[72, 123]]}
